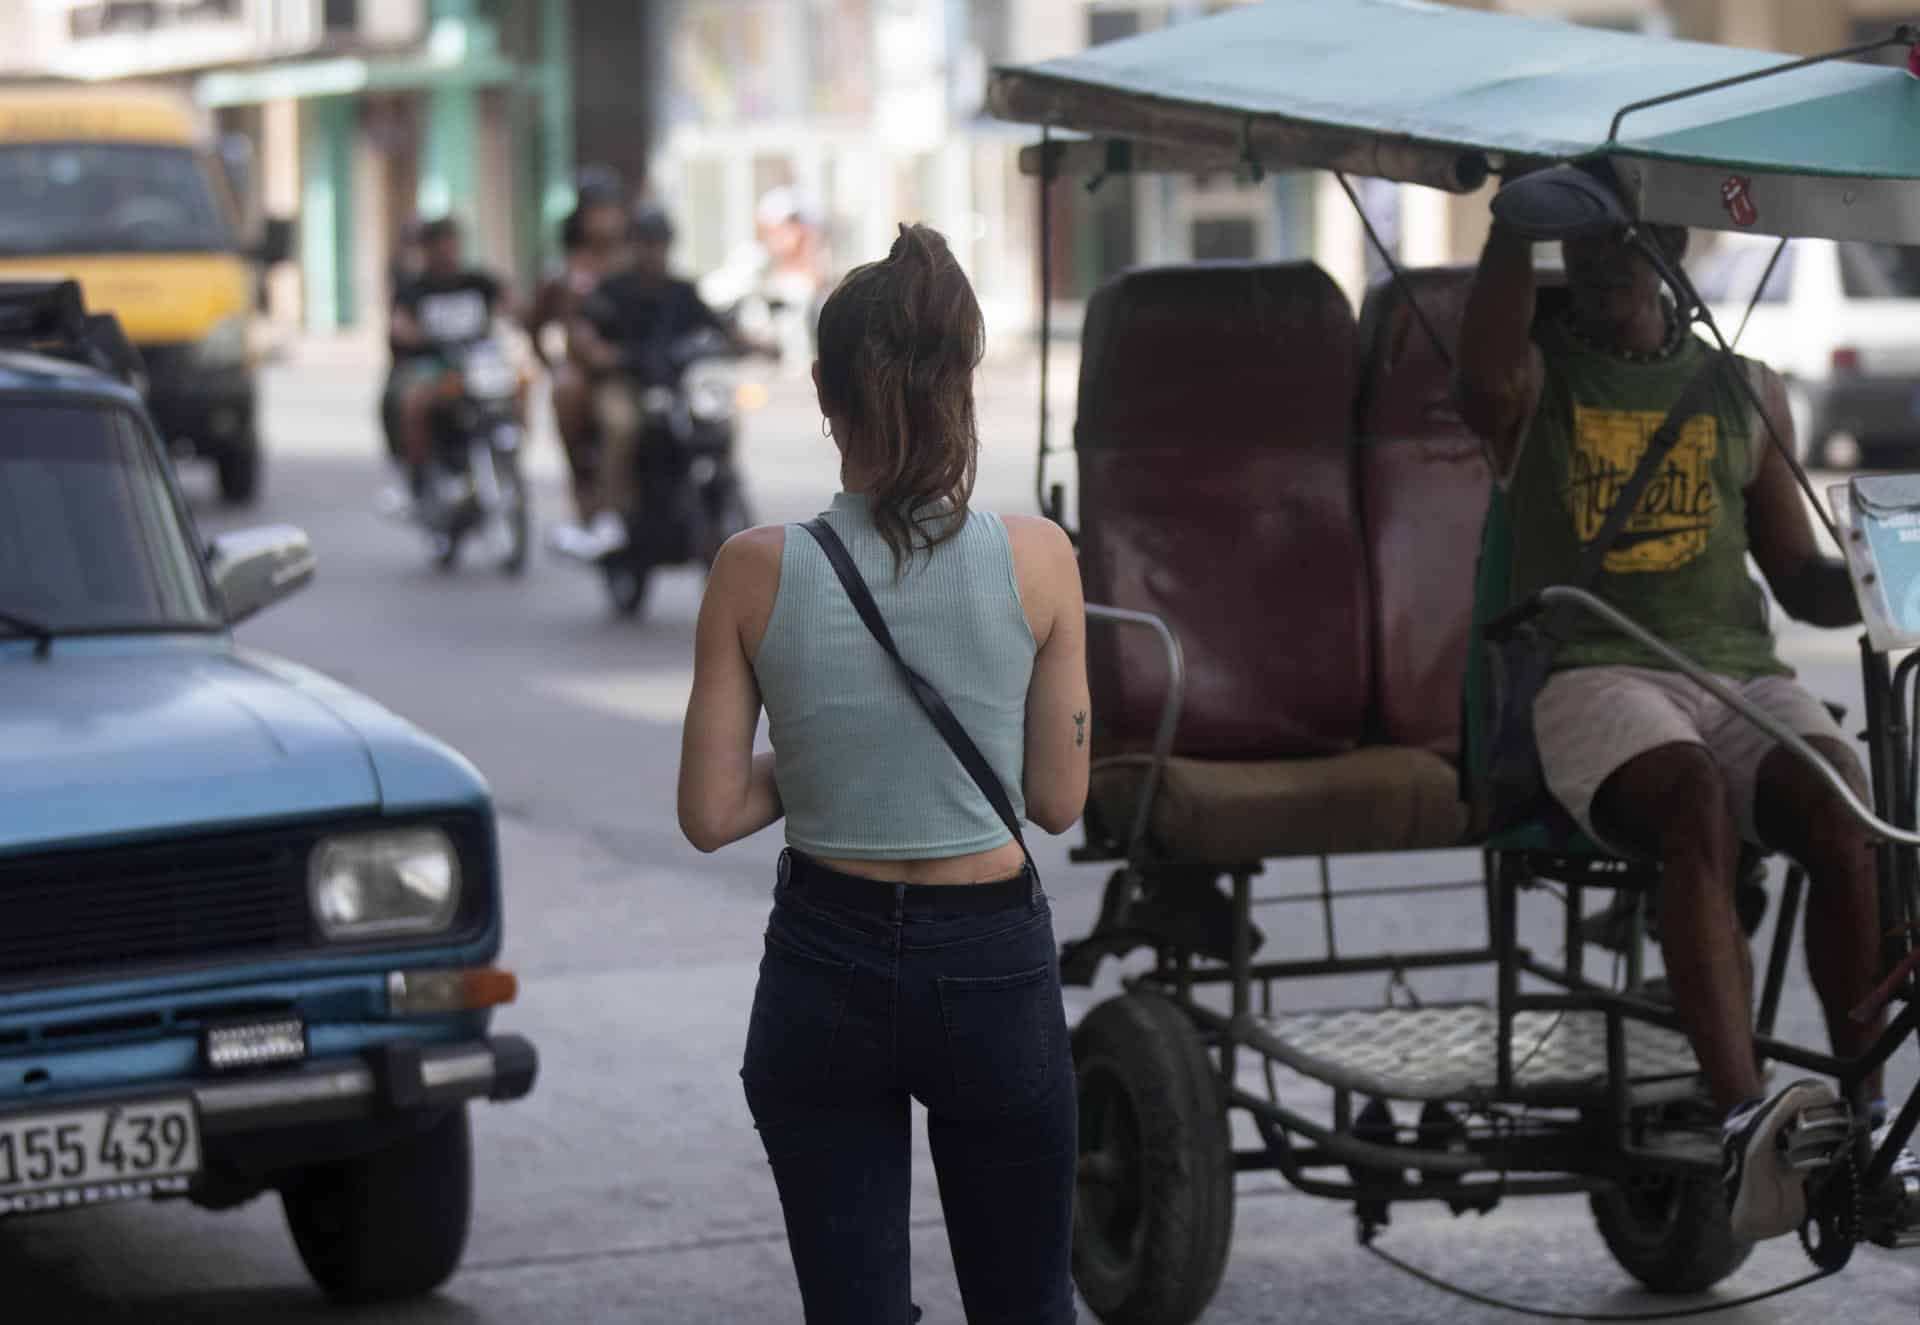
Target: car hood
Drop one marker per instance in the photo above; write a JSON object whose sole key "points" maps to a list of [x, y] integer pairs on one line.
{"points": [[100, 746]]}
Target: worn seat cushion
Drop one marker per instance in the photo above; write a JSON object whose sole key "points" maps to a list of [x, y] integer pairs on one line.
{"points": [[1212, 811]]}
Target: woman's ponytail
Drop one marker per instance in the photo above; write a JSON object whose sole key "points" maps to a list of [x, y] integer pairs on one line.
{"points": [[899, 342]]}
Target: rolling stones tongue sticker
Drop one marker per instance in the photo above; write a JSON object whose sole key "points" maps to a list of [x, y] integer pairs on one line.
{"points": [[1736, 195]]}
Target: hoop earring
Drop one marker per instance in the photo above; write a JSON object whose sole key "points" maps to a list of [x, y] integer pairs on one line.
{"points": [[826, 427]]}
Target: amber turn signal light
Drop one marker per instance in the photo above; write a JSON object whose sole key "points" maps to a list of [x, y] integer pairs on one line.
{"points": [[417, 993]]}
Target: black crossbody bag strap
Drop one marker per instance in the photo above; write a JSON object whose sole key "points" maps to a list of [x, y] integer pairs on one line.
{"points": [[923, 690]]}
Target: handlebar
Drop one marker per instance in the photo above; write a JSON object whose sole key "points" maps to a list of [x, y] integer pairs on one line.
{"points": [[1169, 711], [1567, 595], [662, 364]]}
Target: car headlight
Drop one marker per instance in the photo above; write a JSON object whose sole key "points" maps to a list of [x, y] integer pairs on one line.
{"points": [[375, 885], [225, 346]]}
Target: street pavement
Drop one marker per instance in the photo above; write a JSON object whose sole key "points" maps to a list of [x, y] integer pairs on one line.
{"points": [[630, 1186]]}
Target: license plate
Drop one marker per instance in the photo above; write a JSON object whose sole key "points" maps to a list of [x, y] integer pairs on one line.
{"points": [[52, 1161]]}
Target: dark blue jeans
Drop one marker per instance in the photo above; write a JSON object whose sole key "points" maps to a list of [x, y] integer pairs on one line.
{"points": [[871, 993]]}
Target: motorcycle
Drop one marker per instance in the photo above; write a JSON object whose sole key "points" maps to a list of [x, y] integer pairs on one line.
{"points": [[474, 485], [688, 496]]}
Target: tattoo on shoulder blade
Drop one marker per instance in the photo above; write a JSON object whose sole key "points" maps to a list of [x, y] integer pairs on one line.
{"points": [[1080, 728]]}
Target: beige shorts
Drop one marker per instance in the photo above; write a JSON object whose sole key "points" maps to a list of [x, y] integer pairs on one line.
{"points": [[1590, 721]]}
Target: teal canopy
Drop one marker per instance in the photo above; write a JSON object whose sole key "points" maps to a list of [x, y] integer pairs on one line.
{"points": [[1431, 94]]}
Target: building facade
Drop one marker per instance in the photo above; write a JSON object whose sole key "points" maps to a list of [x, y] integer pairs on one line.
{"points": [[364, 115], [871, 109]]}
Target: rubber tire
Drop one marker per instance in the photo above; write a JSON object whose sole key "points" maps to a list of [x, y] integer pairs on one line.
{"points": [[628, 597], [239, 471], [1144, 1048], [389, 1225], [1689, 1252], [520, 523]]}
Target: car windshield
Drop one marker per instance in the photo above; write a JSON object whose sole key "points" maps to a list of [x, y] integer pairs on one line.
{"points": [[90, 537], [1880, 271], [107, 198]]}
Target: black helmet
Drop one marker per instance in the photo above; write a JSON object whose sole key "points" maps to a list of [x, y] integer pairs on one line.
{"points": [[597, 184], [652, 225]]}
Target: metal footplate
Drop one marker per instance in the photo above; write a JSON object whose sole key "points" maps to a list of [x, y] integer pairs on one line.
{"points": [[1816, 1137], [1819, 1142], [1451, 1053]]}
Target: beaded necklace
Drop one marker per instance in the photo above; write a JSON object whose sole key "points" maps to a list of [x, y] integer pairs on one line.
{"points": [[1668, 347]]}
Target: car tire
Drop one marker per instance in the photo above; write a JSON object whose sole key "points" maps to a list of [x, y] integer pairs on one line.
{"points": [[1153, 1214], [239, 470], [387, 1225]]}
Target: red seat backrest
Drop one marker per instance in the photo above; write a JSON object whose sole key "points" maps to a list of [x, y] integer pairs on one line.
{"points": [[1217, 491], [1424, 485]]}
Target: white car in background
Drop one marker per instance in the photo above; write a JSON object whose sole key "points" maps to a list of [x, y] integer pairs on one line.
{"points": [[1841, 323]]}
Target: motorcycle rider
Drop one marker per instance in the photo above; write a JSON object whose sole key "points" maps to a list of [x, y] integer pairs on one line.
{"points": [[448, 303], [403, 269], [593, 239], [623, 330]]}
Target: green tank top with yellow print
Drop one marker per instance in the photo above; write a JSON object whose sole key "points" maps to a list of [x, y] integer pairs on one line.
{"points": [[1679, 568]]}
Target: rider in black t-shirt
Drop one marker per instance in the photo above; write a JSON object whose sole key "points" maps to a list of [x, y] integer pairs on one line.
{"points": [[447, 303], [624, 331]]}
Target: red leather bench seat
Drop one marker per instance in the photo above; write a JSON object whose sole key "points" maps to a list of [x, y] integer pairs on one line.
{"points": [[1424, 486], [1218, 490]]}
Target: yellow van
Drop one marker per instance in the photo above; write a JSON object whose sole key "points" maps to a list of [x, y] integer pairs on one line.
{"points": [[122, 189]]}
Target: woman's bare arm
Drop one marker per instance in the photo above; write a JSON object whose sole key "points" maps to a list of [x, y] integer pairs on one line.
{"points": [[727, 792], [1059, 714]]}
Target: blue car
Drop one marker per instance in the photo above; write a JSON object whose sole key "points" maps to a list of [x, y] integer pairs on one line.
{"points": [[247, 916]]}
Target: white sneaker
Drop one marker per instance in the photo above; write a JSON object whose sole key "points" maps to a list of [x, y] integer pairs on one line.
{"points": [[567, 540], [1905, 1164], [394, 502], [605, 536], [1766, 1193]]}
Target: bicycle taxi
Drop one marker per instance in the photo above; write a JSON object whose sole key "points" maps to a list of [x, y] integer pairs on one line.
{"points": [[1290, 545]]}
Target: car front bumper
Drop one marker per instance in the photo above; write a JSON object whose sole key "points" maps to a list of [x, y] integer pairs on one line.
{"points": [[258, 1127], [1875, 411], [393, 1079]]}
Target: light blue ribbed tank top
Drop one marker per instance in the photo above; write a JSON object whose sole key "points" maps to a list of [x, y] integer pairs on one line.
{"points": [[862, 772]]}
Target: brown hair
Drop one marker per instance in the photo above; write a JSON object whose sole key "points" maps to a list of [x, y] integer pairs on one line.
{"points": [[899, 342]]}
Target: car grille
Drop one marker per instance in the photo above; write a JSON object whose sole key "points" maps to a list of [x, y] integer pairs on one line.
{"points": [[166, 359], [82, 912]]}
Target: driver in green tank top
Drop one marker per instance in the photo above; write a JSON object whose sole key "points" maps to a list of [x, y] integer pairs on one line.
{"points": [[1645, 758]]}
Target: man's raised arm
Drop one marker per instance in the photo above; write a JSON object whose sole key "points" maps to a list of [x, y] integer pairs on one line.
{"points": [[1498, 375]]}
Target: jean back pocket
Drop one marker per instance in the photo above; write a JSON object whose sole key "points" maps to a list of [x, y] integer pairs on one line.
{"points": [[797, 1009], [1003, 1040]]}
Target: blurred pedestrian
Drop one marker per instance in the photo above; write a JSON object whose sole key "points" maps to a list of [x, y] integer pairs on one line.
{"points": [[593, 241], [772, 285], [910, 953], [403, 268]]}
